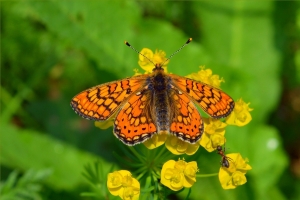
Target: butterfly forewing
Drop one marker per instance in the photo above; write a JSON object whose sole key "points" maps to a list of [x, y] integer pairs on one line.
{"points": [[102, 101], [213, 101]]}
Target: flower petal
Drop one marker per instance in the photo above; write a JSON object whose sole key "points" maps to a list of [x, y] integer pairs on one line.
{"points": [[175, 145], [144, 63], [166, 172], [156, 141], [177, 181], [240, 115], [239, 178], [131, 193], [114, 183], [170, 177], [240, 163], [225, 179], [114, 180], [192, 148], [205, 76], [213, 135], [190, 173]]}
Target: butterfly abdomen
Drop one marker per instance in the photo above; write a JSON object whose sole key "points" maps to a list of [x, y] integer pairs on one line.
{"points": [[161, 109], [159, 87]]}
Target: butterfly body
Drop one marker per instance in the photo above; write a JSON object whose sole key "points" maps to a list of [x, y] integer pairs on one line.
{"points": [[160, 85], [155, 103]]}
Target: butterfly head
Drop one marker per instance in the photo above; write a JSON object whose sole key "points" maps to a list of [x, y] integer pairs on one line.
{"points": [[158, 67]]}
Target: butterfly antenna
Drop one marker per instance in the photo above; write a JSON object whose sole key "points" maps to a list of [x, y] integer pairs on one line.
{"points": [[187, 42], [138, 52]]}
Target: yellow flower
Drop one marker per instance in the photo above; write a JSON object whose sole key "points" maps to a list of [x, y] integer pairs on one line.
{"points": [[240, 115], [173, 144], [159, 57], [156, 141], [206, 76], [213, 136], [178, 147], [176, 175], [120, 183], [234, 176]]}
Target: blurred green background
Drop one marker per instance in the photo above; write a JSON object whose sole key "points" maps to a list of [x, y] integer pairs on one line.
{"points": [[52, 50]]}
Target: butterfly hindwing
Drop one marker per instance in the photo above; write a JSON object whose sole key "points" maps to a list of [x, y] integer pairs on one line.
{"points": [[186, 121], [213, 101], [135, 122], [101, 102]]}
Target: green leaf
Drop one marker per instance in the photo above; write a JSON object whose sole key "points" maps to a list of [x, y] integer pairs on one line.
{"points": [[84, 25], [65, 161], [26, 187]]}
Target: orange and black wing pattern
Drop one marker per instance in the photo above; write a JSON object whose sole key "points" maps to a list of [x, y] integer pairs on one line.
{"points": [[135, 121], [102, 101], [186, 122], [213, 101]]}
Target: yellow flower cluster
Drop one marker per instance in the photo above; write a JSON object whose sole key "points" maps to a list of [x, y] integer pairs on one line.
{"points": [[120, 183], [234, 175], [176, 175]]}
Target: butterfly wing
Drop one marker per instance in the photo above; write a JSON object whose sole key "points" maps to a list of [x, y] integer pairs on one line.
{"points": [[102, 101], [213, 101], [135, 121], [186, 122]]}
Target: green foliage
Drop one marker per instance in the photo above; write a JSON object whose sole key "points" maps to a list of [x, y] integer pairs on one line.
{"points": [[26, 187], [31, 149], [53, 50], [97, 177]]}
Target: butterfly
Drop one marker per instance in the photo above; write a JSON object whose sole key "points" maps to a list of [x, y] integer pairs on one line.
{"points": [[154, 103]]}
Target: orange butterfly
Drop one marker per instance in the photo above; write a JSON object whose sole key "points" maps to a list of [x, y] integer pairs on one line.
{"points": [[153, 103]]}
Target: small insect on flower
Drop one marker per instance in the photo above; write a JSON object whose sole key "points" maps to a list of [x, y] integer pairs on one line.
{"points": [[233, 169], [225, 160]]}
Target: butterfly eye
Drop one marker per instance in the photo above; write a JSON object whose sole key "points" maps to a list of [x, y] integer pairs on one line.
{"points": [[158, 66]]}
